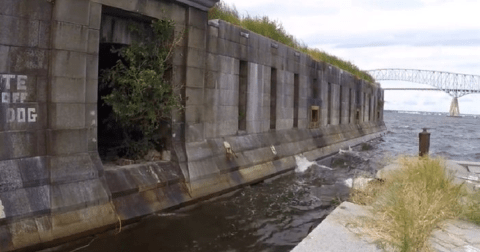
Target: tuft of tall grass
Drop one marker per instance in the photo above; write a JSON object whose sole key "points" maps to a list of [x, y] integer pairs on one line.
{"points": [[225, 12], [412, 201], [269, 28], [471, 206], [274, 30]]}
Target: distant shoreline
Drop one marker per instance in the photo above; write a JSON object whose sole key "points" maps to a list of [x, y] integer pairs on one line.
{"points": [[428, 113]]}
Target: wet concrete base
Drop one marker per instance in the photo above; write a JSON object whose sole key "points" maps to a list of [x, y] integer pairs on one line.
{"points": [[127, 193]]}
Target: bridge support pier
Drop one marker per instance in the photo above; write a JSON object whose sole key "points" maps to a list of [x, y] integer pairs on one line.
{"points": [[454, 109]]}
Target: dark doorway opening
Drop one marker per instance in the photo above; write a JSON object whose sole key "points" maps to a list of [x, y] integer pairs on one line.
{"points": [[340, 109], [329, 104], [369, 108], [296, 97], [110, 134], [273, 98], [349, 105], [242, 95]]}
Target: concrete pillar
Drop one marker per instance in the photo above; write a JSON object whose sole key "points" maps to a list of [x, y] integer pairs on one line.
{"points": [[195, 52], [324, 103], [254, 98], [335, 106], [360, 102], [303, 108], [345, 99], [353, 106]]}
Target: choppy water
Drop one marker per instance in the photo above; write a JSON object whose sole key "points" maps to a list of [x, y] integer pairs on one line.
{"points": [[276, 215], [451, 137]]}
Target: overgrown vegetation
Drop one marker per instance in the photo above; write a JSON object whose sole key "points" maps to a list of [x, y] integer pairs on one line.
{"points": [[142, 96], [412, 201], [274, 30]]}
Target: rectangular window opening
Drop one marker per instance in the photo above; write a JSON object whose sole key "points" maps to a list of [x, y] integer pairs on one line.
{"points": [[358, 105], [340, 109], [296, 96], [242, 95], [369, 108], [349, 105], [329, 103], [314, 117], [273, 98]]}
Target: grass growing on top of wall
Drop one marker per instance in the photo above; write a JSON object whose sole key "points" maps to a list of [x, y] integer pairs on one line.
{"points": [[274, 30], [412, 201]]}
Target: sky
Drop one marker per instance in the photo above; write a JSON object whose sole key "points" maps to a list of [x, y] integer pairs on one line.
{"points": [[440, 35]]}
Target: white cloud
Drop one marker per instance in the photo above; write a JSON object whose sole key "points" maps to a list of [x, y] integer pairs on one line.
{"points": [[440, 35]]}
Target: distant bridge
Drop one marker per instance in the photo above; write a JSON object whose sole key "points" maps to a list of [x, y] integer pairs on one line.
{"points": [[454, 84], [418, 89]]}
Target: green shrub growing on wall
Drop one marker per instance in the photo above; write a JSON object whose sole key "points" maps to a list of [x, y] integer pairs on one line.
{"points": [[143, 97]]}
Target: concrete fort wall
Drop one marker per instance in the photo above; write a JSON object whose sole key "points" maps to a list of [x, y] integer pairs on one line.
{"points": [[269, 103], [53, 184]]}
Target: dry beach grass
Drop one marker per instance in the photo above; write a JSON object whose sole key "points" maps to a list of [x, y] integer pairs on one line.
{"points": [[411, 201]]}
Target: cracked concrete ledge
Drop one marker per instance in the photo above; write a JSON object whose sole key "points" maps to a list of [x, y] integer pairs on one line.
{"points": [[455, 235], [338, 232]]}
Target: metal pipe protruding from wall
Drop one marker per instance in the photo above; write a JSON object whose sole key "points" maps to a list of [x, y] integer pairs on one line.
{"points": [[424, 142]]}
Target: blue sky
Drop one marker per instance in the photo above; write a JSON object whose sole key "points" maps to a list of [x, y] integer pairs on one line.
{"points": [[442, 35]]}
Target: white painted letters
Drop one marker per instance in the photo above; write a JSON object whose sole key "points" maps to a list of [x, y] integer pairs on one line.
{"points": [[32, 115], [22, 82], [15, 97], [14, 91], [5, 97], [7, 78], [11, 115], [21, 115]]}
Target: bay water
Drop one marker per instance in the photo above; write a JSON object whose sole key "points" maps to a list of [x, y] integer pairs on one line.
{"points": [[277, 214]]}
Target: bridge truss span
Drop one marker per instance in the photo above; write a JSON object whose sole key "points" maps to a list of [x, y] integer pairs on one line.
{"points": [[455, 84]]}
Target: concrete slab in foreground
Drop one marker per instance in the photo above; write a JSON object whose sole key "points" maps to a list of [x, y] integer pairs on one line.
{"points": [[338, 232]]}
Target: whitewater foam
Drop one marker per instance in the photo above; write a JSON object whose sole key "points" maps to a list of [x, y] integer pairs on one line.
{"points": [[303, 164]]}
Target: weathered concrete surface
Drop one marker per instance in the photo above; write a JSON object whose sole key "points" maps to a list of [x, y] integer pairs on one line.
{"points": [[210, 171], [340, 232], [54, 186], [456, 236]]}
